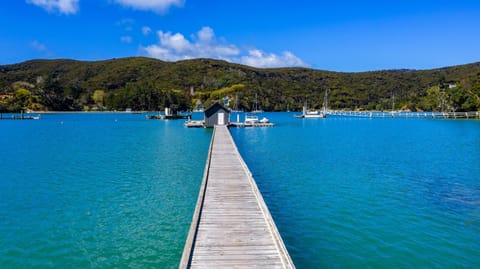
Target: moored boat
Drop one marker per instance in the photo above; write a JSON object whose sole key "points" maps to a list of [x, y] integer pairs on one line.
{"points": [[315, 114], [309, 114], [251, 119], [264, 120]]}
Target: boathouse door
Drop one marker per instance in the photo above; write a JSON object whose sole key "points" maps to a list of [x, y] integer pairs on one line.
{"points": [[221, 118]]}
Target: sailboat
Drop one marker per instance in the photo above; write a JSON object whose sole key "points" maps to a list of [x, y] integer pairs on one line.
{"points": [[235, 108], [256, 109], [315, 114]]}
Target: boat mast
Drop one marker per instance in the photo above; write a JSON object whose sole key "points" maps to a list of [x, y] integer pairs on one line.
{"points": [[235, 108], [393, 102], [325, 102], [304, 108], [256, 103]]}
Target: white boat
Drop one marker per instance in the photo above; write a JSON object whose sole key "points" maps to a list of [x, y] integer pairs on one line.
{"points": [[309, 114], [251, 119], [315, 114]]}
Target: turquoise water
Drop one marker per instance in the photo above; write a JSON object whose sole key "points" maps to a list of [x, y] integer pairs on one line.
{"points": [[118, 191], [371, 193], [97, 191]]}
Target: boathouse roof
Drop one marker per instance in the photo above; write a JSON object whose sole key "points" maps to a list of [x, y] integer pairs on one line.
{"points": [[214, 108]]}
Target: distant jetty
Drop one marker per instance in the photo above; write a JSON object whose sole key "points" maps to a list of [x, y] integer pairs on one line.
{"points": [[170, 114], [20, 116], [406, 114]]}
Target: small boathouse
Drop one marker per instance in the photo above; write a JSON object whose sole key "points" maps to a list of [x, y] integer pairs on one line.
{"points": [[217, 114]]}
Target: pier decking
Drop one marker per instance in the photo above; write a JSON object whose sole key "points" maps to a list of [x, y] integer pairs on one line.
{"points": [[231, 226]]}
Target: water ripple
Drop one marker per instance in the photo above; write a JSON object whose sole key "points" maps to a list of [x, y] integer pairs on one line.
{"points": [[373, 193], [98, 193]]}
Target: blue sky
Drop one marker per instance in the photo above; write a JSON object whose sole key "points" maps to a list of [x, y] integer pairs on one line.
{"points": [[329, 35]]}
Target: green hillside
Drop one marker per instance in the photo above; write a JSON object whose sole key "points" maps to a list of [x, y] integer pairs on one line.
{"points": [[149, 84]]}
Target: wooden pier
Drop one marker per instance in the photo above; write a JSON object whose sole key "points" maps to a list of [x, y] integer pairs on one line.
{"points": [[404, 114], [231, 226], [256, 124], [20, 116]]}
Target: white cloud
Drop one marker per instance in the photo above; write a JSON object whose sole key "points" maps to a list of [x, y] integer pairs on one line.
{"points": [[158, 6], [38, 46], [41, 48], [204, 44], [259, 58], [126, 39], [146, 30], [173, 47], [126, 23], [162, 53], [176, 42], [206, 34], [61, 6]]}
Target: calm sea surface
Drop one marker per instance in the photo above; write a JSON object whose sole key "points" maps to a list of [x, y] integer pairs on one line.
{"points": [[118, 191]]}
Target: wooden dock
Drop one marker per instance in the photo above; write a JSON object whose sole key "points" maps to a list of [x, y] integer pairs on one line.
{"points": [[256, 124], [231, 226], [405, 114], [20, 116]]}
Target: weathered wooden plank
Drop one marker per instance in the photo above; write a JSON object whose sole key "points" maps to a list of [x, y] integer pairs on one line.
{"points": [[233, 227]]}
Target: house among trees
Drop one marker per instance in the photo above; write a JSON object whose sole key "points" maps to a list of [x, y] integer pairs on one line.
{"points": [[452, 85], [216, 114]]}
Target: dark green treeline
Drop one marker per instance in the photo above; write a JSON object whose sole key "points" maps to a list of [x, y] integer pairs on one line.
{"points": [[149, 84]]}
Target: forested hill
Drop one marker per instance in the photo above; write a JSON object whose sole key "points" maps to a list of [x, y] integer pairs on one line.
{"points": [[149, 84]]}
